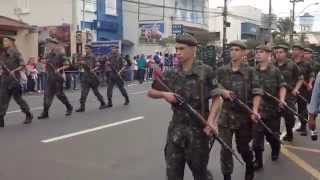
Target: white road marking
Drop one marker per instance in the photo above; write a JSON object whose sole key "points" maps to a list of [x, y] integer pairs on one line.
{"points": [[139, 92], [32, 109], [66, 136]]}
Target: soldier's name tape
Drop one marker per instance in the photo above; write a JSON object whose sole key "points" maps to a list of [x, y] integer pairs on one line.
{"points": [[86, 131]]}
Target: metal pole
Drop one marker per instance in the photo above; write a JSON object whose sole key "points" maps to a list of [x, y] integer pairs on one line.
{"points": [[224, 39], [83, 13], [270, 20], [292, 22]]}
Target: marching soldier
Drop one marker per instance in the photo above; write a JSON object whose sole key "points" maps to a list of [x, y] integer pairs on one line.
{"points": [[294, 80], [11, 65], [238, 81], [188, 138], [306, 88], [273, 83], [308, 57], [89, 80], [115, 64], [56, 64]]}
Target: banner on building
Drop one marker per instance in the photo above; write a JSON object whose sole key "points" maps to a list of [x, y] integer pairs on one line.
{"points": [[105, 47], [151, 32]]}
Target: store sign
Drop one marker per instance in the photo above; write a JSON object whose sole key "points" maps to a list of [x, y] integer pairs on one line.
{"points": [[177, 28], [151, 32]]}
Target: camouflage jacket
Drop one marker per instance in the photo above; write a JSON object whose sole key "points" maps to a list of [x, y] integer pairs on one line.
{"points": [[245, 84], [306, 70], [90, 61], [115, 63], [271, 81], [56, 60], [188, 85], [11, 59], [290, 72]]}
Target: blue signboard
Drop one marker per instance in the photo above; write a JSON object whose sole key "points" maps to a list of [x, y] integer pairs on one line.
{"points": [[177, 28], [104, 47]]}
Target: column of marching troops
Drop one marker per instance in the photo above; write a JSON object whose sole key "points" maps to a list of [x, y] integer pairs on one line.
{"points": [[271, 89], [11, 64], [246, 102]]}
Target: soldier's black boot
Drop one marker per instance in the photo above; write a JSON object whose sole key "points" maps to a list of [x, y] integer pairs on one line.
{"points": [[303, 130], [81, 108], [289, 136], [1, 121], [227, 177], [29, 118], [275, 151], [69, 110], [103, 105], [109, 103], [258, 163], [127, 101], [44, 115], [249, 175]]}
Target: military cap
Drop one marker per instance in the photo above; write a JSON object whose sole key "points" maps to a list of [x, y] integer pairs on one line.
{"points": [[187, 39], [10, 38], [298, 45], [52, 40], [238, 43], [308, 50], [264, 47], [282, 46]]}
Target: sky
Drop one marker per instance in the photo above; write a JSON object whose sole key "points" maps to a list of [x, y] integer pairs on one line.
{"points": [[280, 7]]}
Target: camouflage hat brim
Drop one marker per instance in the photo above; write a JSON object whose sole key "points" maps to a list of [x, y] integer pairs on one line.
{"points": [[186, 39], [308, 50], [240, 44], [10, 38]]}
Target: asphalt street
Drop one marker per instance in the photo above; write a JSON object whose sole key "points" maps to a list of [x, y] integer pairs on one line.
{"points": [[121, 143]]}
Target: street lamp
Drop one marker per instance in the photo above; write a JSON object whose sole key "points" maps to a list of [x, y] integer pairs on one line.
{"points": [[312, 4], [293, 18]]}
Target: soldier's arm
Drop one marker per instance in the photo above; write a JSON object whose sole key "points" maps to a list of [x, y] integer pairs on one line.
{"points": [[66, 64], [17, 55], [297, 74], [282, 86], [257, 93], [311, 77], [157, 91]]}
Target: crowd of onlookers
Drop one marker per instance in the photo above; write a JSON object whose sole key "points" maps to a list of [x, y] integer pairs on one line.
{"points": [[140, 67]]}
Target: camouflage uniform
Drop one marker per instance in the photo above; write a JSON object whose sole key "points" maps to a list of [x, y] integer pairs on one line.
{"points": [[115, 65], [271, 80], [291, 74], [186, 141], [55, 84], [233, 120], [90, 81], [10, 86], [307, 71]]}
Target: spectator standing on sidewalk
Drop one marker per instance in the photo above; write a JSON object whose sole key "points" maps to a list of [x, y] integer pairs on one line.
{"points": [[41, 69], [142, 64]]}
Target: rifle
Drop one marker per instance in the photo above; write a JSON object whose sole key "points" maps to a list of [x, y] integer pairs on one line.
{"points": [[187, 107], [91, 74], [52, 69], [286, 106], [7, 71], [114, 69], [248, 109]]}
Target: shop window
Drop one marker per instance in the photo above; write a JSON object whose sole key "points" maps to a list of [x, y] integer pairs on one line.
{"points": [[111, 7]]}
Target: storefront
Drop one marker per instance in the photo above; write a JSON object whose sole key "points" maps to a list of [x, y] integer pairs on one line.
{"points": [[26, 36]]}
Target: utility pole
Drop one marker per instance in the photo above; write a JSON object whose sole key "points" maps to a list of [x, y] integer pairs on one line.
{"points": [[293, 18], [225, 23], [270, 21]]}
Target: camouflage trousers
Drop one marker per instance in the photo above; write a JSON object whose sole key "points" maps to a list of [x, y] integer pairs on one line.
{"points": [[115, 80], [54, 88], [272, 119], [243, 136], [288, 115], [5, 97], [302, 105], [187, 145], [85, 88]]}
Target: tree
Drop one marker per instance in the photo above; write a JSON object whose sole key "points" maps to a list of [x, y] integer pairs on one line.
{"points": [[283, 30]]}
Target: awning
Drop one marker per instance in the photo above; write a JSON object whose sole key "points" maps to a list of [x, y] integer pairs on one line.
{"points": [[128, 43], [12, 24]]}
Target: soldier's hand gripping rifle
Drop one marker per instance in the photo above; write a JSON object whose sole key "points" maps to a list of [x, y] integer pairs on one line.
{"points": [[53, 70], [249, 110], [286, 106], [113, 69], [6, 70], [187, 107]]}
